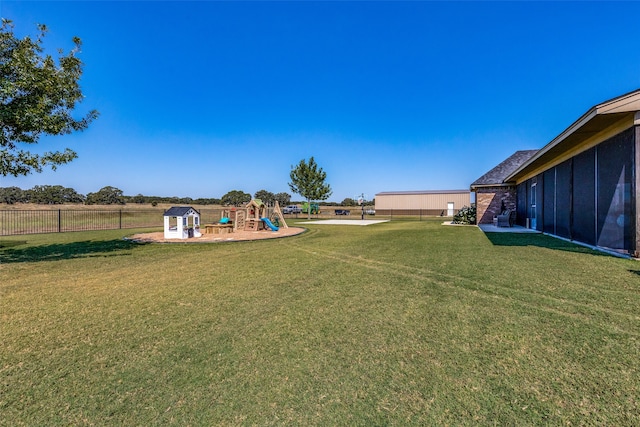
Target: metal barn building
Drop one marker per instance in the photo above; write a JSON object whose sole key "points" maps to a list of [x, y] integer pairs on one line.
{"points": [[427, 203]]}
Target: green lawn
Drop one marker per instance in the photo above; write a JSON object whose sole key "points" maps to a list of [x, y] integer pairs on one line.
{"points": [[402, 323]]}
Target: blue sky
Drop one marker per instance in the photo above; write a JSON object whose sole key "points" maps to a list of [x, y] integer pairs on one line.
{"points": [[200, 98]]}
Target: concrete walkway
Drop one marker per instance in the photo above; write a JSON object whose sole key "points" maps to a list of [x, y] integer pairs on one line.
{"points": [[345, 221], [490, 228]]}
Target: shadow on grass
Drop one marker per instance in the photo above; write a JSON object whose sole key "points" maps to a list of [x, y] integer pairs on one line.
{"points": [[541, 241], [11, 243], [62, 251]]}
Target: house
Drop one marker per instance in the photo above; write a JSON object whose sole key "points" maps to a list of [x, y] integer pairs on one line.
{"points": [[493, 194], [582, 186], [429, 203], [181, 222]]}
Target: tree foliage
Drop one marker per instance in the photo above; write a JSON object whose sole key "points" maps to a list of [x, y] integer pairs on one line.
{"points": [[54, 195], [106, 196], [236, 198], [12, 195], [268, 197], [265, 196], [37, 96], [283, 198], [308, 180]]}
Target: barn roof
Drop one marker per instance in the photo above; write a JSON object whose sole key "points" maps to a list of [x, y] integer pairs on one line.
{"points": [[405, 193], [497, 175], [179, 211]]}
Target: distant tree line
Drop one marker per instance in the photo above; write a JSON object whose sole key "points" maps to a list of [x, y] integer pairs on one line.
{"points": [[351, 202], [58, 195]]}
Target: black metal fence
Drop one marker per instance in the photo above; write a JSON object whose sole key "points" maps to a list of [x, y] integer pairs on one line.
{"points": [[415, 213], [356, 213], [16, 222]]}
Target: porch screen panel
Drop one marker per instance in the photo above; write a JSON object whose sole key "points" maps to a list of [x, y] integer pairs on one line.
{"points": [[549, 201], [584, 197], [539, 204], [521, 207], [563, 199], [615, 173]]}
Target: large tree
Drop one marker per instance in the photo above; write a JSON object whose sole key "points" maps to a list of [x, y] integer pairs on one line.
{"points": [[236, 198], [54, 195], [283, 198], [308, 180], [265, 196], [11, 195], [349, 202], [37, 97], [106, 196]]}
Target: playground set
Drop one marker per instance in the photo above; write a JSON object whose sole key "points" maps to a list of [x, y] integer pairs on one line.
{"points": [[183, 222], [254, 216]]}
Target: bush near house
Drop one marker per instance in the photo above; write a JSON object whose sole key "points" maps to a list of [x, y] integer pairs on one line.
{"points": [[466, 215]]}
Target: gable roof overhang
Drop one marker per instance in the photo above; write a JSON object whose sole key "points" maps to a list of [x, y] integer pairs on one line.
{"points": [[595, 126], [496, 176]]}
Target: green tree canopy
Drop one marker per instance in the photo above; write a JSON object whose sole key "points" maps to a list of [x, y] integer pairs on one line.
{"points": [[236, 198], [54, 195], [11, 195], [139, 199], [283, 198], [106, 196], [308, 180], [265, 196], [37, 96], [207, 201]]}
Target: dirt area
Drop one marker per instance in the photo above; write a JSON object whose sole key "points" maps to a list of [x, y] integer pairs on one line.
{"points": [[237, 236]]}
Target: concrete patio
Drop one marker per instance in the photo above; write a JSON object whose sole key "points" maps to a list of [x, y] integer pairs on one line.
{"points": [[490, 228]]}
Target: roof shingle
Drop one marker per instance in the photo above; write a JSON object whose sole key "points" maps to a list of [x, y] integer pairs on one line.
{"points": [[497, 175]]}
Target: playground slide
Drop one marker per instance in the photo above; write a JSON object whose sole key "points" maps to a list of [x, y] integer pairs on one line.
{"points": [[269, 224]]}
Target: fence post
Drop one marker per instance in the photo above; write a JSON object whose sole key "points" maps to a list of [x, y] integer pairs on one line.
{"points": [[59, 220], [120, 219]]}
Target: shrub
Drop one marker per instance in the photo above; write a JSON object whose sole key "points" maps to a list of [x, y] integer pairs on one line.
{"points": [[466, 215]]}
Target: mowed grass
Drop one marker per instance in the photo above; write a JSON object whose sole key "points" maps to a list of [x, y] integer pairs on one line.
{"points": [[401, 323]]}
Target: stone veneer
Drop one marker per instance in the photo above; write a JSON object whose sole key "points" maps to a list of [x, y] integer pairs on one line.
{"points": [[491, 200]]}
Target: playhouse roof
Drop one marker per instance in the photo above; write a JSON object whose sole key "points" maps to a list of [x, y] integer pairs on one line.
{"points": [[255, 202], [181, 211]]}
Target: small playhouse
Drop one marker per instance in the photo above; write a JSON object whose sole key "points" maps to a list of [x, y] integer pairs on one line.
{"points": [[181, 222]]}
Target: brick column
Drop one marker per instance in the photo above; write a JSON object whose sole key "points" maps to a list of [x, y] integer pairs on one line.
{"points": [[491, 200]]}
